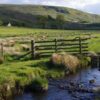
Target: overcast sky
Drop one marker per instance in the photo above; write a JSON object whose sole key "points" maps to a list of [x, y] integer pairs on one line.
{"points": [[91, 6]]}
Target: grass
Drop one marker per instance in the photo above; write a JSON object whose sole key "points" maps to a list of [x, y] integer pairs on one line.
{"points": [[19, 31], [94, 45], [46, 34], [26, 71], [32, 75], [40, 83]]}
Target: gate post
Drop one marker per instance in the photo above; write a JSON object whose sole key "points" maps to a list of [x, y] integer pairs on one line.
{"points": [[33, 49], [2, 53], [80, 45], [55, 45]]}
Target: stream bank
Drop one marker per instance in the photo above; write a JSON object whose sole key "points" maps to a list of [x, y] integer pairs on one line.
{"points": [[58, 93]]}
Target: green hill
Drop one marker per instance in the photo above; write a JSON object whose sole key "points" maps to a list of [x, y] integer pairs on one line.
{"points": [[47, 17]]}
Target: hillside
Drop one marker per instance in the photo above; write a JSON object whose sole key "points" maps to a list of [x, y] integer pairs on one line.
{"points": [[46, 17]]}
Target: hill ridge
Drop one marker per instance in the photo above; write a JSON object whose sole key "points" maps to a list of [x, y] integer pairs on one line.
{"points": [[36, 15]]}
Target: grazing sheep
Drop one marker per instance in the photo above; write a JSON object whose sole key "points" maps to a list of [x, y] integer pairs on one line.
{"points": [[25, 47], [5, 44], [11, 43]]}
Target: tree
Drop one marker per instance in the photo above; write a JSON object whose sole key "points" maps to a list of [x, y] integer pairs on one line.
{"points": [[60, 21], [42, 21], [60, 18], [1, 23]]}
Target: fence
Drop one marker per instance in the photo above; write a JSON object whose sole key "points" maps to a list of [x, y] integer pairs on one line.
{"points": [[1, 50], [46, 48]]}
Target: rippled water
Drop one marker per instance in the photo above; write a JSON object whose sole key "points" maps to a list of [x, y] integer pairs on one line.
{"points": [[55, 93]]}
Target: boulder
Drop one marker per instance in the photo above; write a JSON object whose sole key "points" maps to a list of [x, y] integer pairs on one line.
{"points": [[96, 89], [92, 81]]}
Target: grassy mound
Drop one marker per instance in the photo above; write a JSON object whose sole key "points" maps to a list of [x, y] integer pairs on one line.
{"points": [[69, 62], [18, 75]]}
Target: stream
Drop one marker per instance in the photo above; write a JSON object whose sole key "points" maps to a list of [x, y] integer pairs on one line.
{"points": [[56, 93]]}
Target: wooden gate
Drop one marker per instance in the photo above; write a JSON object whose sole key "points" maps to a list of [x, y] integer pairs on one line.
{"points": [[46, 48]]}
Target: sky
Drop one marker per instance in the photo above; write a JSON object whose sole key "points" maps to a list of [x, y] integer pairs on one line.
{"points": [[91, 6]]}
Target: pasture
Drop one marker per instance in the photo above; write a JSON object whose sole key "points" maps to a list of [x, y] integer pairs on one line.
{"points": [[15, 42], [15, 39]]}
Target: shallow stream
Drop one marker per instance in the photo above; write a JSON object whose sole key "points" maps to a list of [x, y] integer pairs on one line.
{"points": [[56, 93]]}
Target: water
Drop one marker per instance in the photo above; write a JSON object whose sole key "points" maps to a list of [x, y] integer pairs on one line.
{"points": [[56, 93]]}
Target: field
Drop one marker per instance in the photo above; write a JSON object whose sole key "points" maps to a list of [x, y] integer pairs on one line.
{"points": [[25, 35], [16, 41]]}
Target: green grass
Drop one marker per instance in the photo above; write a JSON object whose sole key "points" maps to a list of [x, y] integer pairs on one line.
{"points": [[37, 82], [94, 45], [19, 31], [26, 71], [38, 34]]}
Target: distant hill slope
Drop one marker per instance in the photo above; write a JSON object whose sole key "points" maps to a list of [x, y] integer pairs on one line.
{"points": [[46, 17]]}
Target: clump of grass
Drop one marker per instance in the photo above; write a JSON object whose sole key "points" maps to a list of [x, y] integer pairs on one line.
{"points": [[40, 84], [66, 61], [84, 61], [55, 73]]}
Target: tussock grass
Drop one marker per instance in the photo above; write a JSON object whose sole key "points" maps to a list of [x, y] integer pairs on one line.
{"points": [[69, 62], [26, 71]]}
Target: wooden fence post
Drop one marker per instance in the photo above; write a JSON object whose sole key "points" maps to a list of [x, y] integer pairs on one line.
{"points": [[80, 45], [2, 53], [33, 49], [55, 45]]}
